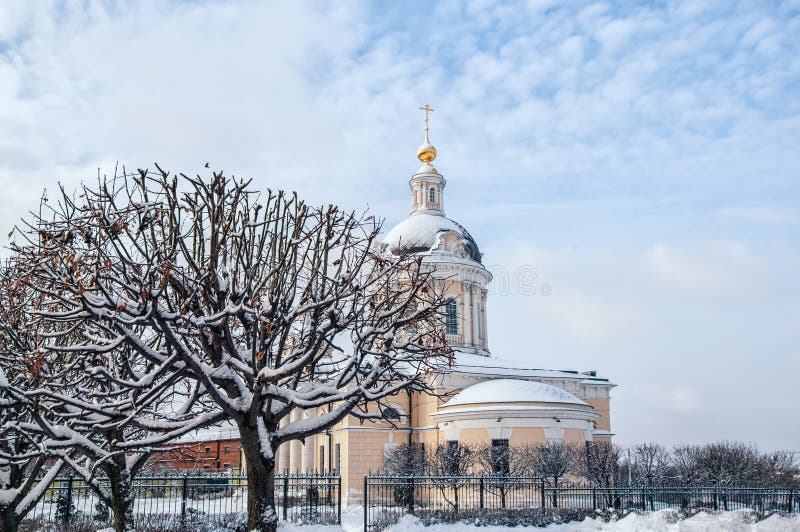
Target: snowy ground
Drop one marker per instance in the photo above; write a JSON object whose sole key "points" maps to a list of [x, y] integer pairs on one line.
{"points": [[661, 521]]}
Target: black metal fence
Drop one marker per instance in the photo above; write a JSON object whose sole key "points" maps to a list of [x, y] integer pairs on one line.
{"points": [[181, 503], [524, 500]]}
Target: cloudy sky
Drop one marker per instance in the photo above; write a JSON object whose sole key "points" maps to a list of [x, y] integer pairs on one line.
{"points": [[635, 167]]}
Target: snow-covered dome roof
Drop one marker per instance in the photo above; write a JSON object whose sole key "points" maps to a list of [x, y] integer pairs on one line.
{"points": [[419, 232], [513, 391]]}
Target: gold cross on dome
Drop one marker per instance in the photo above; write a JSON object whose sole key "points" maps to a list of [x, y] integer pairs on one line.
{"points": [[428, 109]]}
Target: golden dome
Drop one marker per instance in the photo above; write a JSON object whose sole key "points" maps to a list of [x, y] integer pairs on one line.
{"points": [[426, 153]]}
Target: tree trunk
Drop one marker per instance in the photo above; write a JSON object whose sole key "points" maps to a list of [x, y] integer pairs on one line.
{"points": [[121, 500], [261, 513], [8, 519], [555, 492]]}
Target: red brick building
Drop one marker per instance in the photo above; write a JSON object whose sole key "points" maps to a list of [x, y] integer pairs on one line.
{"points": [[206, 449]]}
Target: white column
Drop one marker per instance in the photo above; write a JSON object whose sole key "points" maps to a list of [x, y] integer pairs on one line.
{"points": [[476, 315], [308, 449], [485, 330], [283, 452], [468, 314], [296, 448]]}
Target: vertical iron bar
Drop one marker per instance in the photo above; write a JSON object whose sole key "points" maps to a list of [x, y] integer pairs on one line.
{"points": [[339, 499], [594, 498], [285, 496], [480, 484], [412, 495], [366, 500], [543, 495], [68, 505], [184, 489]]}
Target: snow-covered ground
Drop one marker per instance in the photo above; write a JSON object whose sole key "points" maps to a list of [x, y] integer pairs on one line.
{"points": [[661, 521]]}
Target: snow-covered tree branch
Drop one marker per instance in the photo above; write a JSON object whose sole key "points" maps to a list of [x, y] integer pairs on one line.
{"points": [[261, 302]]}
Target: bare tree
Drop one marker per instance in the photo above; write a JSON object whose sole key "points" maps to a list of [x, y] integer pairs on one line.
{"points": [[684, 464], [600, 463], [651, 463], [448, 464], [27, 466], [552, 461], [405, 460], [727, 463], [497, 460], [779, 468], [96, 406], [267, 304]]}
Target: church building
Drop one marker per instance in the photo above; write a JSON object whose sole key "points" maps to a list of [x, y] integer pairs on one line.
{"points": [[485, 398]]}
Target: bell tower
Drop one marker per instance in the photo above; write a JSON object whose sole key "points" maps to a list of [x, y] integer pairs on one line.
{"points": [[427, 185]]}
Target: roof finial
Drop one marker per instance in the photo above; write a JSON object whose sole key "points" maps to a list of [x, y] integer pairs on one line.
{"points": [[426, 153]]}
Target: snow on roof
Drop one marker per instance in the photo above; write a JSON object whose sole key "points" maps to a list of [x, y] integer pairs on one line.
{"points": [[483, 365], [419, 232], [512, 391], [527, 409]]}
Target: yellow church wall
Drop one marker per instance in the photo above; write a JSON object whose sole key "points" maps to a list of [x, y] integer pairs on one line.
{"points": [[364, 456], [574, 436], [474, 436], [602, 407], [523, 435]]}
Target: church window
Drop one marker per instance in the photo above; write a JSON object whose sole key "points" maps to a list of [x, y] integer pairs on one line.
{"points": [[452, 458], [432, 195], [390, 414], [500, 457], [451, 317]]}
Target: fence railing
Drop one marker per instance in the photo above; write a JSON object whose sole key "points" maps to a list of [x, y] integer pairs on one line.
{"points": [[524, 500], [183, 502]]}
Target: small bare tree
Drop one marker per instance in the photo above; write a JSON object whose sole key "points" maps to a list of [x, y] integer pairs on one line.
{"points": [[267, 304], [684, 464], [779, 468], [552, 461], [651, 463], [448, 464], [727, 463], [405, 460], [600, 463]]}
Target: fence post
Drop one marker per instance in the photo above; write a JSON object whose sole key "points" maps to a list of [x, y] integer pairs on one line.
{"points": [[716, 504], [339, 500], [412, 496], [644, 500], [791, 500], [286, 497], [544, 500], [594, 497], [480, 483], [68, 500], [184, 489], [366, 501]]}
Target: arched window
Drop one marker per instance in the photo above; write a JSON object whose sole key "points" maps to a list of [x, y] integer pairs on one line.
{"points": [[432, 195], [390, 414], [451, 317]]}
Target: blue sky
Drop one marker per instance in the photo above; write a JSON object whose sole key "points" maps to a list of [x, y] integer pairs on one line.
{"points": [[643, 157]]}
